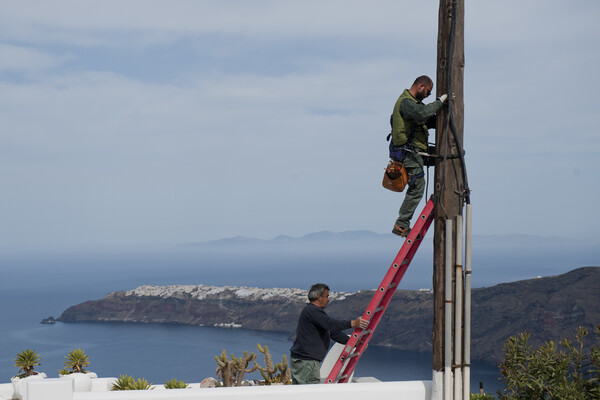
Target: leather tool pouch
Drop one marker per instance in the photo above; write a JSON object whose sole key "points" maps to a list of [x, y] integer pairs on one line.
{"points": [[395, 177]]}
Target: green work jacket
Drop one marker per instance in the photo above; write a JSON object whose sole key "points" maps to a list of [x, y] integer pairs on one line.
{"points": [[407, 112]]}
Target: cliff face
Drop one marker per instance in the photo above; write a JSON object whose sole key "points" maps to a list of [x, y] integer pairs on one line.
{"points": [[253, 308], [550, 308]]}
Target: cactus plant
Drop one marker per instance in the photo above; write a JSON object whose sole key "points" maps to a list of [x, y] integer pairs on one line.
{"points": [[278, 373], [231, 371]]}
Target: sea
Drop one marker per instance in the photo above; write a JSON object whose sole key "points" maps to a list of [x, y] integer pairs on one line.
{"points": [[34, 286]]}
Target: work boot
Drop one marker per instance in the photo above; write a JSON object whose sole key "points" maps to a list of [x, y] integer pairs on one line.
{"points": [[403, 232]]}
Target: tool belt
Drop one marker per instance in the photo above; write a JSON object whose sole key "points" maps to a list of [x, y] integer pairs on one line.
{"points": [[395, 177]]}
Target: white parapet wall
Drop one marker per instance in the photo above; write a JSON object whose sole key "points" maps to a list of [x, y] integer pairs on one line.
{"points": [[6, 391], [409, 390]]}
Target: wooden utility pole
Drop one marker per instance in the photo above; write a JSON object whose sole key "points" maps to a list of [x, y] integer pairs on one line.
{"points": [[449, 185]]}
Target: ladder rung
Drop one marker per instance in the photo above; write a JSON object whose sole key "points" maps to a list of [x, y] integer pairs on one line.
{"points": [[390, 286], [378, 309], [358, 336], [366, 332], [355, 354]]}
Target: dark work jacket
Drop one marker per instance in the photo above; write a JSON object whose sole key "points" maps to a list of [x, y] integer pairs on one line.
{"points": [[313, 332]]}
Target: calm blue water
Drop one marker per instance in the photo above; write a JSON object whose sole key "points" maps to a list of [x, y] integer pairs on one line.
{"points": [[36, 286], [162, 352]]}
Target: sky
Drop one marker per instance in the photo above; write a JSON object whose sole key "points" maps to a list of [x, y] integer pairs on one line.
{"points": [[155, 123]]}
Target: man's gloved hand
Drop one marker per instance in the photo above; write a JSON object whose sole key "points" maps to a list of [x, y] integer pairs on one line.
{"points": [[443, 97]]}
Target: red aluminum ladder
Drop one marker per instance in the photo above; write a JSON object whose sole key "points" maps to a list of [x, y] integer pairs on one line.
{"points": [[359, 339]]}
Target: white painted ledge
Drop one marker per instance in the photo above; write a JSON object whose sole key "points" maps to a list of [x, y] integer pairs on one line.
{"points": [[59, 389], [6, 391], [411, 390], [48, 389]]}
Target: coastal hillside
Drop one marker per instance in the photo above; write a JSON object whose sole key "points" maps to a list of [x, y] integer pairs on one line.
{"points": [[550, 308]]}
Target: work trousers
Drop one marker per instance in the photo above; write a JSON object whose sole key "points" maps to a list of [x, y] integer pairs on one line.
{"points": [[305, 371], [414, 166]]}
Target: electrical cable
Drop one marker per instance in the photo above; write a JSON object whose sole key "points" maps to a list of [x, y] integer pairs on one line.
{"points": [[427, 184]]}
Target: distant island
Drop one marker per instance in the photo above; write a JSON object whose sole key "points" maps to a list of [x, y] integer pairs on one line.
{"points": [[48, 321], [550, 308]]}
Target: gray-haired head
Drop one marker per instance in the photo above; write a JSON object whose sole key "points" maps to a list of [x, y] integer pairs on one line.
{"points": [[317, 290]]}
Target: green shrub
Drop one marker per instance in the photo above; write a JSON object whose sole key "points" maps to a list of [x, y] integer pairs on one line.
{"points": [[479, 396], [549, 372]]}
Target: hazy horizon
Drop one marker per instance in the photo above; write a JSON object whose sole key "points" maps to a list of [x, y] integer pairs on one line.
{"points": [[282, 242]]}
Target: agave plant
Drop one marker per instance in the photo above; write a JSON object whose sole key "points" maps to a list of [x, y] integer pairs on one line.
{"points": [[76, 360], [176, 384], [26, 360], [126, 382], [141, 384]]}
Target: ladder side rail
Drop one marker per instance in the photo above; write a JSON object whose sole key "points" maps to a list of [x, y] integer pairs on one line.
{"points": [[401, 270], [347, 369], [355, 348], [342, 360], [349, 366], [403, 258], [427, 220], [381, 298], [373, 318], [406, 253], [373, 305], [399, 266], [382, 295]]}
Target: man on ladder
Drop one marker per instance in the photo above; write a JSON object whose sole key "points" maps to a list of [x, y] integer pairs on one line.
{"points": [[313, 332], [410, 120]]}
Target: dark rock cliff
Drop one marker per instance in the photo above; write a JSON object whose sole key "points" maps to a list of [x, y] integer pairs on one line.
{"points": [[549, 308]]}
